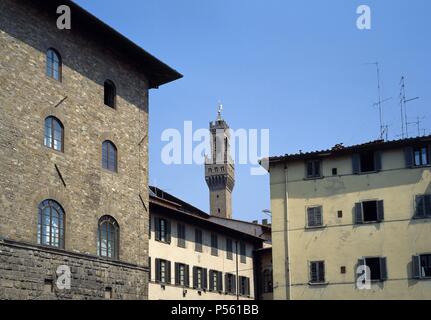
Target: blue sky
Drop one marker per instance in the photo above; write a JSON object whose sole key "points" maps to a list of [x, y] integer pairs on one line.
{"points": [[296, 67]]}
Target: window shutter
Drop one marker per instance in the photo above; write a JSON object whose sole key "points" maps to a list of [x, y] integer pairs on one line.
{"points": [[226, 283], [313, 271], [247, 290], [157, 269], [177, 273], [427, 200], [195, 277], [310, 214], [321, 272], [149, 268], [157, 225], [383, 269], [234, 284], [168, 231], [204, 279], [416, 267], [378, 160], [380, 211], [220, 282], [318, 218], [358, 213], [211, 273], [168, 272], [420, 207], [429, 154], [408, 153], [149, 227], [356, 163]]}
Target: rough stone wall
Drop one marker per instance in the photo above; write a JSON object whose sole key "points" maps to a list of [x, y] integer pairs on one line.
{"points": [[28, 272], [27, 168]]}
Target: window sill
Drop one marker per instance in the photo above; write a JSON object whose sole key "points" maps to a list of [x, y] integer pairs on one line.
{"points": [[54, 150], [314, 178], [315, 227], [109, 171], [161, 241], [318, 284], [422, 218]]}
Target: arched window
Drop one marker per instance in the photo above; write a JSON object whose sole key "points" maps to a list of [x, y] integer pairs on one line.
{"points": [[54, 134], [50, 230], [110, 94], [108, 238], [109, 156], [53, 64]]}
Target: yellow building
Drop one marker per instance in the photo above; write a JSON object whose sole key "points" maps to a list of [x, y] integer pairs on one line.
{"points": [[353, 222]]}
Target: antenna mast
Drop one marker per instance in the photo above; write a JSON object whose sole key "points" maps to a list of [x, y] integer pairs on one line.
{"points": [[403, 105], [379, 103]]}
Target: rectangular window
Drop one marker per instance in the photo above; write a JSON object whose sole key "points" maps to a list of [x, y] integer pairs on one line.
{"points": [[369, 211], [423, 206], [313, 169], [163, 230], [230, 283], [215, 281], [198, 240], [425, 266], [214, 245], [366, 162], [244, 286], [181, 274], [242, 252], [229, 251], [376, 266], [181, 235], [317, 272], [314, 216], [163, 271], [421, 156], [199, 278]]}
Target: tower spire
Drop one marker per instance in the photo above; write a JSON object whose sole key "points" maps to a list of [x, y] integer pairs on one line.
{"points": [[220, 109]]}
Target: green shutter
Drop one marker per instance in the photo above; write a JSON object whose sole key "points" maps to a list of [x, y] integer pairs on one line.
{"points": [[358, 213], [187, 276], [378, 160], [380, 211], [157, 269], [204, 279], [220, 281], [383, 269], [168, 272], [177, 273], [416, 267], [157, 225], [168, 231], [408, 154], [195, 277], [356, 163]]}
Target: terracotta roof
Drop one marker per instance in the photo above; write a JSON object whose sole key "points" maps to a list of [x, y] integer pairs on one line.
{"points": [[340, 150]]}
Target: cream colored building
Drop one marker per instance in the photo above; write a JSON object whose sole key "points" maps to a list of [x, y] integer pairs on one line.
{"points": [[194, 258], [366, 206]]}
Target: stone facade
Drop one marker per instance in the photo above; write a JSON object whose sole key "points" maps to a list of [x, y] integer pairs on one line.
{"points": [[31, 172], [220, 170], [30, 272]]}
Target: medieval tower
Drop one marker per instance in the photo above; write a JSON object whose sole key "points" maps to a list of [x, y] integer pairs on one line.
{"points": [[219, 169]]}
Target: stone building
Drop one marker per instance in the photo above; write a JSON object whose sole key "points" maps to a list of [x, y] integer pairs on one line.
{"points": [[194, 258], [220, 170], [353, 222], [73, 155]]}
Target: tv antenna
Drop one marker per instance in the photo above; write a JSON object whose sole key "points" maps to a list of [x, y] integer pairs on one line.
{"points": [[380, 101], [403, 107], [418, 122]]}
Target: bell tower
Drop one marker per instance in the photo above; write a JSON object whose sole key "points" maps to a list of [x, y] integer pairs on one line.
{"points": [[219, 169]]}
